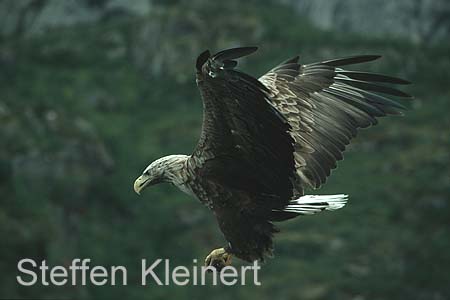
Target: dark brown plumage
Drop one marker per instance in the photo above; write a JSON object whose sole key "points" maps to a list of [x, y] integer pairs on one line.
{"points": [[264, 141], [243, 164]]}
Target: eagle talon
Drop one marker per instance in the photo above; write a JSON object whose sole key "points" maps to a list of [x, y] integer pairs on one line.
{"points": [[218, 258]]}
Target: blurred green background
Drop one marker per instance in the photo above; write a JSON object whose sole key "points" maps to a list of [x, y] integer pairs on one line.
{"points": [[93, 91]]}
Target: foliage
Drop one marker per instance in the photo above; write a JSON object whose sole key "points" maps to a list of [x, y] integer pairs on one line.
{"points": [[84, 109]]}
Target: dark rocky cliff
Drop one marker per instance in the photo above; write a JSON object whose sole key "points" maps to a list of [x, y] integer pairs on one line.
{"points": [[421, 21]]}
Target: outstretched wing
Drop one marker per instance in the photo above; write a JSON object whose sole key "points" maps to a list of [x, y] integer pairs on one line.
{"points": [[325, 105], [245, 143]]}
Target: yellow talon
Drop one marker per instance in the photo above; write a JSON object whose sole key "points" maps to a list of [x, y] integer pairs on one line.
{"points": [[218, 258]]}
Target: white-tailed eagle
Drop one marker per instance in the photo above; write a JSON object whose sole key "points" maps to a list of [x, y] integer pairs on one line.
{"points": [[264, 141]]}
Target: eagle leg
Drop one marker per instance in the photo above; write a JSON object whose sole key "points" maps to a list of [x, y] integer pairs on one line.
{"points": [[218, 258]]}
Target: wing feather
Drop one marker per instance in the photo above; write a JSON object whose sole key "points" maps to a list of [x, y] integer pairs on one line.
{"points": [[246, 140], [325, 106]]}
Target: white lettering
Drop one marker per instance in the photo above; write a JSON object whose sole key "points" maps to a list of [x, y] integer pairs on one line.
{"points": [[256, 268], [149, 270], [176, 274], [99, 271], [73, 268], [224, 275], [113, 274], [26, 271], [43, 269], [83, 269], [54, 274]]}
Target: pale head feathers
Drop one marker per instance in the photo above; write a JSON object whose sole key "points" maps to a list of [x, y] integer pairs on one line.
{"points": [[167, 168]]}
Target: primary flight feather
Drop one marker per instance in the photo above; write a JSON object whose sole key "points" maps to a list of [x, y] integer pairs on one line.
{"points": [[265, 140]]}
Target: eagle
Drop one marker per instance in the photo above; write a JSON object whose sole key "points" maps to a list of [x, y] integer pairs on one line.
{"points": [[264, 141]]}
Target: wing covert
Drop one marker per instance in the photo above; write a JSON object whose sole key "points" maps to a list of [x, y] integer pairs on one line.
{"points": [[245, 142], [325, 105]]}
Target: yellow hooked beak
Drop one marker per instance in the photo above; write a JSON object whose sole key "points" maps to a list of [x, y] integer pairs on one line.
{"points": [[140, 183]]}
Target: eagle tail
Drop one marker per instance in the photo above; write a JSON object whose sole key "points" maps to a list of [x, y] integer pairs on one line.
{"points": [[309, 205]]}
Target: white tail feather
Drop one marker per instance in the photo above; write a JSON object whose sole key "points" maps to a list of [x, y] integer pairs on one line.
{"points": [[311, 204]]}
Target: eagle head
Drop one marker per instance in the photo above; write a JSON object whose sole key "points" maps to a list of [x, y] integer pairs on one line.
{"points": [[165, 169]]}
